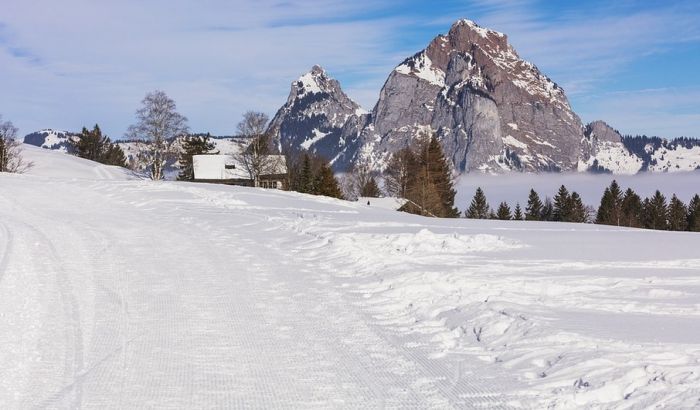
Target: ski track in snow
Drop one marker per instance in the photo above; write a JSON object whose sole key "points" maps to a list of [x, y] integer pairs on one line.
{"points": [[132, 294]]}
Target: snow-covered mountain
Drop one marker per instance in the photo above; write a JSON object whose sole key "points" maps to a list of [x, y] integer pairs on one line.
{"points": [[52, 139], [319, 117], [492, 110], [605, 150]]}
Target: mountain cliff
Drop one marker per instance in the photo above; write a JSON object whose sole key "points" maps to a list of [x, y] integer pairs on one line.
{"points": [[319, 117]]}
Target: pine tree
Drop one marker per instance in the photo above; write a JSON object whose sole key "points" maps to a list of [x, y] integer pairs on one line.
{"points": [[578, 212], [604, 214], [562, 205], [326, 184], [533, 210], [656, 212], [503, 212], [371, 189], [306, 180], [694, 214], [435, 171], [547, 213], [616, 195], [92, 145], [610, 209], [192, 145], [518, 214], [479, 208], [631, 209], [677, 215]]}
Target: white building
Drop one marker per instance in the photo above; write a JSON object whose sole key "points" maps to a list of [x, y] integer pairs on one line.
{"points": [[224, 169]]}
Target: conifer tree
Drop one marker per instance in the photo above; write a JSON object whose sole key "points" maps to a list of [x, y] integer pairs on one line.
{"points": [[547, 213], [371, 189], [616, 195], [631, 209], [518, 213], [677, 215], [192, 145], [306, 180], [578, 212], [562, 205], [656, 212], [604, 214], [92, 145], [610, 209], [533, 210], [479, 208], [694, 214], [503, 212], [326, 184]]}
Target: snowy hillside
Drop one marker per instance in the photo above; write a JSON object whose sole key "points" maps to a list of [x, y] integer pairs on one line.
{"points": [[131, 294]]}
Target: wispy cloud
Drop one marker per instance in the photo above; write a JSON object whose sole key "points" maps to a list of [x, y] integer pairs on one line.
{"points": [[76, 62]]}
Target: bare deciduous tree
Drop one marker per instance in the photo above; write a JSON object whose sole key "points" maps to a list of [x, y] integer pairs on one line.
{"points": [[11, 159], [157, 124], [257, 158], [361, 180]]}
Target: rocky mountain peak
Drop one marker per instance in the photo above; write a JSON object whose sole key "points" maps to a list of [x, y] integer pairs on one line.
{"points": [[315, 115], [602, 132]]}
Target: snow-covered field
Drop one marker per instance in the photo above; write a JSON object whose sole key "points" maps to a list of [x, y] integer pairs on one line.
{"points": [[121, 293]]}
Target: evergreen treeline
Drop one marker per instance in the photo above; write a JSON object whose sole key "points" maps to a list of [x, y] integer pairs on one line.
{"points": [[628, 209], [566, 207], [92, 145], [616, 208], [312, 174]]}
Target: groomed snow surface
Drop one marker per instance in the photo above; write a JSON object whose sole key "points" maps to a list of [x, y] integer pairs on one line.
{"points": [[121, 293]]}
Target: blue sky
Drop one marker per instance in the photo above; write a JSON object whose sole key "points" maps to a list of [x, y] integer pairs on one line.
{"points": [[78, 62]]}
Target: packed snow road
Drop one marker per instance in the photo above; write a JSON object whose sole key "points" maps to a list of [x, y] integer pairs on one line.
{"points": [[120, 293]]}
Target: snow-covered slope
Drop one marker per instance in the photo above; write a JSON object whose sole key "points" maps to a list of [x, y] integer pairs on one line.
{"points": [[54, 164], [133, 294]]}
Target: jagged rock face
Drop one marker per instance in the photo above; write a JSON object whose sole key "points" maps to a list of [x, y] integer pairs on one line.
{"points": [[491, 109], [319, 117]]}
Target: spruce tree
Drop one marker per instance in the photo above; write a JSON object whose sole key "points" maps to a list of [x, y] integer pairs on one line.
{"points": [[92, 145], [578, 212], [616, 197], [306, 179], [533, 210], [518, 213], [631, 209], [694, 214], [326, 184], [677, 215], [562, 205], [192, 145], [547, 213], [503, 212], [479, 208], [436, 171], [604, 214], [371, 189], [656, 212]]}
